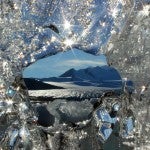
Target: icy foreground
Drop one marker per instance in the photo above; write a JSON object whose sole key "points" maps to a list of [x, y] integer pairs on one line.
{"points": [[27, 35]]}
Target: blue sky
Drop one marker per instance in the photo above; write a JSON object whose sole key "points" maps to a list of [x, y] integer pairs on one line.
{"points": [[57, 64]]}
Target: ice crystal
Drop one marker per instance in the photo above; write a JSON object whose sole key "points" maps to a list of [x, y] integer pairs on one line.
{"points": [[31, 30]]}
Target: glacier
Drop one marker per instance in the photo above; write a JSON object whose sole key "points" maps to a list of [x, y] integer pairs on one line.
{"points": [[32, 30]]}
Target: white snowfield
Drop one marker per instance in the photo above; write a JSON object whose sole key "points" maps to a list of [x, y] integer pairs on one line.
{"points": [[71, 90]]}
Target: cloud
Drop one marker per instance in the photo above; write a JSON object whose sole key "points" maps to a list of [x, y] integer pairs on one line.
{"points": [[76, 63]]}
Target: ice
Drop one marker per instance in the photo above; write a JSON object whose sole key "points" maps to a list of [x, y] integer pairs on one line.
{"points": [[106, 131], [128, 126], [71, 112], [94, 26], [10, 92], [13, 137], [104, 115]]}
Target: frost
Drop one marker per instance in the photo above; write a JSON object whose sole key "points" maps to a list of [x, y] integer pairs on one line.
{"points": [[118, 29]]}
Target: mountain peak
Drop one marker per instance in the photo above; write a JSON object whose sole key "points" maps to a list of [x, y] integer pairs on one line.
{"points": [[102, 76], [94, 74], [68, 73]]}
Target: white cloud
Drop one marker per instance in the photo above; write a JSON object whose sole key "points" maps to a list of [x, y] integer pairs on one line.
{"points": [[75, 63]]}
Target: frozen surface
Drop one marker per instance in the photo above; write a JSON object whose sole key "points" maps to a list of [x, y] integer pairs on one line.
{"points": [[31, 30]]}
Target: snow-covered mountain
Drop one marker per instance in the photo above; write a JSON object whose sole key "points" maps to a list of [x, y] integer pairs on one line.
{"points": [[104, 76], [90, 82]]}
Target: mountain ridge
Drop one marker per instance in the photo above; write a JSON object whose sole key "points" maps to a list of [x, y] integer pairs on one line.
{"points": [[97, 76]]}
